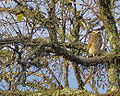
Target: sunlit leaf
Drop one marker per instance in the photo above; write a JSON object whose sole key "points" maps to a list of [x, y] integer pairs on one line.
{"points": [[20, 17], [35, 1], [8, 2], [59, 2], [7, 59]]}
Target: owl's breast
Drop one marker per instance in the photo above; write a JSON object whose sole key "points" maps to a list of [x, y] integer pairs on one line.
{"points": [[93, 49], [94, 44]]}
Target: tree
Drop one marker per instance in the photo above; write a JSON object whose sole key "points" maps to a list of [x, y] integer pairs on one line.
{"points": [[42, 41]]}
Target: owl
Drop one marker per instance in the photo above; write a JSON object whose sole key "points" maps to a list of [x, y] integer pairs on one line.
{"points": [[94, 43]]}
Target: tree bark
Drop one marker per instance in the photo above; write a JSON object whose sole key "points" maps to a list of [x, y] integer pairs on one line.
{"points": [[111, 29], [78, 77], [66, 76], [52, 26]]}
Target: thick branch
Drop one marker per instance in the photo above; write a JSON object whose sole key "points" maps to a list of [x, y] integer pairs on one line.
{"points": [[60, 51], [110, 26], [78, 77]]}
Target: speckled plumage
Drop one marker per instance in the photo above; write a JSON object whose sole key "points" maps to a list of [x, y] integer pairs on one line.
{"points": [[94, 43]]}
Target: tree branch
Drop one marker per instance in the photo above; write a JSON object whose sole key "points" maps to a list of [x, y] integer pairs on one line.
{"points": [[53, 75], [61, 51]]}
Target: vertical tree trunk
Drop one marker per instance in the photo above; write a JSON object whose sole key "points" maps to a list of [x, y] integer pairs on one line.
{"points": [[113, 77], [78, 77], [52, 25], [111, 29], [66, 76]]}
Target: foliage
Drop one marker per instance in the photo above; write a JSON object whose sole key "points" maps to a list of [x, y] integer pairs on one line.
{"points": [[43, 43]]}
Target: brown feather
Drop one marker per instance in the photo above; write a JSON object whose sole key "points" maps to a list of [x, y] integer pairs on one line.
{"points": [[94, 43]]}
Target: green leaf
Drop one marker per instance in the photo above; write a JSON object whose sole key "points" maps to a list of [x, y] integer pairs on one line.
{"points": [[19, 16]]}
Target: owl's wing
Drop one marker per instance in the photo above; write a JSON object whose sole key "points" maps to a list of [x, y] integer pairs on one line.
{"points": [[89, 42], [100, 41]]}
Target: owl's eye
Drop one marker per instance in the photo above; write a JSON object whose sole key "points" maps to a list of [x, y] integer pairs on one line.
{"points": [[96, 31]]}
